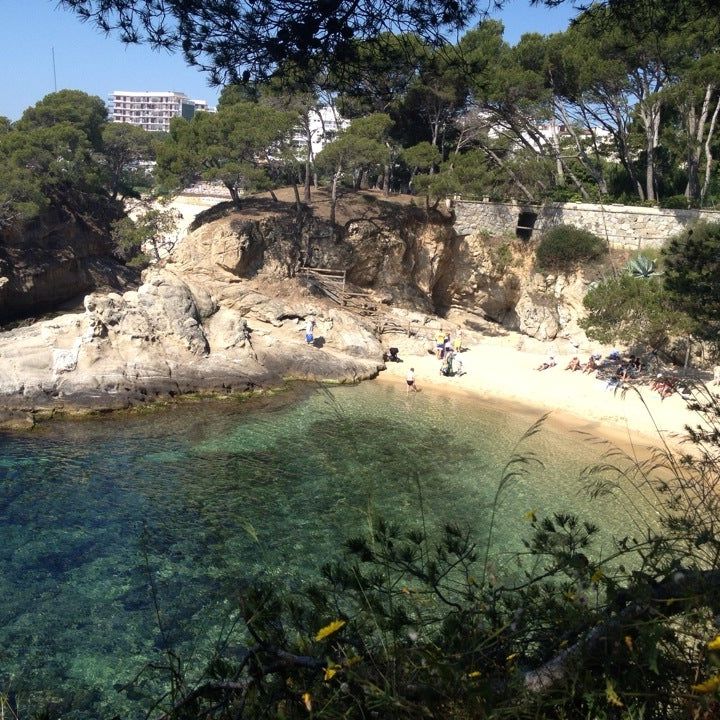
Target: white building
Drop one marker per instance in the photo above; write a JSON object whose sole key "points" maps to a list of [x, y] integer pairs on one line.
{"points": [[325, 123], [153, 110]]}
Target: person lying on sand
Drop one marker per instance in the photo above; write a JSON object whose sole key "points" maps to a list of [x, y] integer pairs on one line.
{"points": [[664, 386], [550, 362]]}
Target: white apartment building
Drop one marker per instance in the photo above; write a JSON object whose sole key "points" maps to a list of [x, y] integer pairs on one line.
{"points": [[153, 110], [324, 125]]}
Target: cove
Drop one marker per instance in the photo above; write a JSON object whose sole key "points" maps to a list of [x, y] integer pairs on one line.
{"points": [[106, 524]]}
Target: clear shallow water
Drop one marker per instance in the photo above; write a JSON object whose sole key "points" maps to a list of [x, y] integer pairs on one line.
{"points": [[207, 497]]}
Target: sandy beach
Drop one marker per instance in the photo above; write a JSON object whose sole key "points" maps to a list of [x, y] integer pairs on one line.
{"points": [[500, 370]]}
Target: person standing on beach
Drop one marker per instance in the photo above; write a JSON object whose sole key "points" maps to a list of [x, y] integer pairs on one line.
{"points": [[457, 343], [410, 380], [309, 330], [440, 345]]}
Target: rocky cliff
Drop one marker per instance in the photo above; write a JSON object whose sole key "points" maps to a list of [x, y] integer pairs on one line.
{"points": [[227, 309], [223, 313], [56, 259], [497, 279]]}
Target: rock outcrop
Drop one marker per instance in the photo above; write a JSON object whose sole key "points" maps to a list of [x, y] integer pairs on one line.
{"points": [[226, 310], [222, 314], [498, 280], [55, 259]]}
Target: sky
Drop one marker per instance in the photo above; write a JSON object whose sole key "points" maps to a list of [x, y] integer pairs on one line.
{"points": [[86, 59]]}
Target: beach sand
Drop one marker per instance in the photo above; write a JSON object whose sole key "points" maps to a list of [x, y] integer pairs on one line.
{"points": [[501, 374]]}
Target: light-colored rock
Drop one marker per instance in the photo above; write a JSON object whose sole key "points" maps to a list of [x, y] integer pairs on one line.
{"points": [[196, 323]]}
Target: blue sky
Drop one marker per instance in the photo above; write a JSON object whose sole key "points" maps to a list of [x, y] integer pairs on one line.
{"points": [[87, 60]]}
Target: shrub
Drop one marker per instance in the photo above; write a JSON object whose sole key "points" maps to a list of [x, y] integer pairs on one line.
{"points": [[565, 246], [634, 310], [692, 274], [502, 257], [677, 202]]}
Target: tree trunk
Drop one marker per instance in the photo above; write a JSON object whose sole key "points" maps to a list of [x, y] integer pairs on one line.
{"points": [[386, 181], [233, 194], [509, 171], [296, 192], [696, 132], [708, 152], [594, 167], [650, 116], [308, 160], [333, 195]]}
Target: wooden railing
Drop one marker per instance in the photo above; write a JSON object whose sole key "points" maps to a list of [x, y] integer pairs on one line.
{"points": [[332, 284]]}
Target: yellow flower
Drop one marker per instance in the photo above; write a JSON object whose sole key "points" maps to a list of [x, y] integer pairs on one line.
{"points": [[629, 642], [597, 576], [512, 657], [531, 516], [714, 644], [328, 630], [474, 674], [612, 697], [307, 701], [331, 671], [710, 685]]}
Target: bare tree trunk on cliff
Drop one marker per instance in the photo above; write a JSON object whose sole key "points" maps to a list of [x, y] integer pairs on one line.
{"points": [[696, 132], [708, 153], [296, 192], [308, 157], [509, 171], [333, 194], [233, 193]]}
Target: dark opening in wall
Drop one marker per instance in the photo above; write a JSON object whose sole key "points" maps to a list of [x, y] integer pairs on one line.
{"points": [[526, 223]]}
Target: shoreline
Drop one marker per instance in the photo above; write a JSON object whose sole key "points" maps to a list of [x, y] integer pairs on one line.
{"points": [[499, 373]]}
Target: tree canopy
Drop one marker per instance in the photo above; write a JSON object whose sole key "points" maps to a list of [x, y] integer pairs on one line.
{"points": [[692, 275], [234, 146], [63, 154], [243, 39]]}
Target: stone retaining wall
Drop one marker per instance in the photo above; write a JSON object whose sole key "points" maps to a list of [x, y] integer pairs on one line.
{"points": [[621, 225]]}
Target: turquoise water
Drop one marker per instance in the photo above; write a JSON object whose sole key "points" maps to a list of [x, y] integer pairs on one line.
{"points": [[197, 501]]}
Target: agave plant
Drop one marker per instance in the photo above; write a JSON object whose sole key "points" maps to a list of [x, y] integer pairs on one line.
{"points": [[641, 266]]}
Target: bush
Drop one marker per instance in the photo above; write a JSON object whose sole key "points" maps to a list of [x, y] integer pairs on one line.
{"points": [[678, 202], [692, 275], [565, 246]]}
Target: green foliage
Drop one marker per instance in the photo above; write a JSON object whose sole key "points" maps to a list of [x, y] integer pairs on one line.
{"points": [[233, 145], [151, 230], [350, 152], [692, 274], [676, 202], [565, 246], [641, 266], [62, 155], [125, 147], [84, 112], [502, 257], [45, 167], [359, 147], [422, 156], [633, 310]]}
